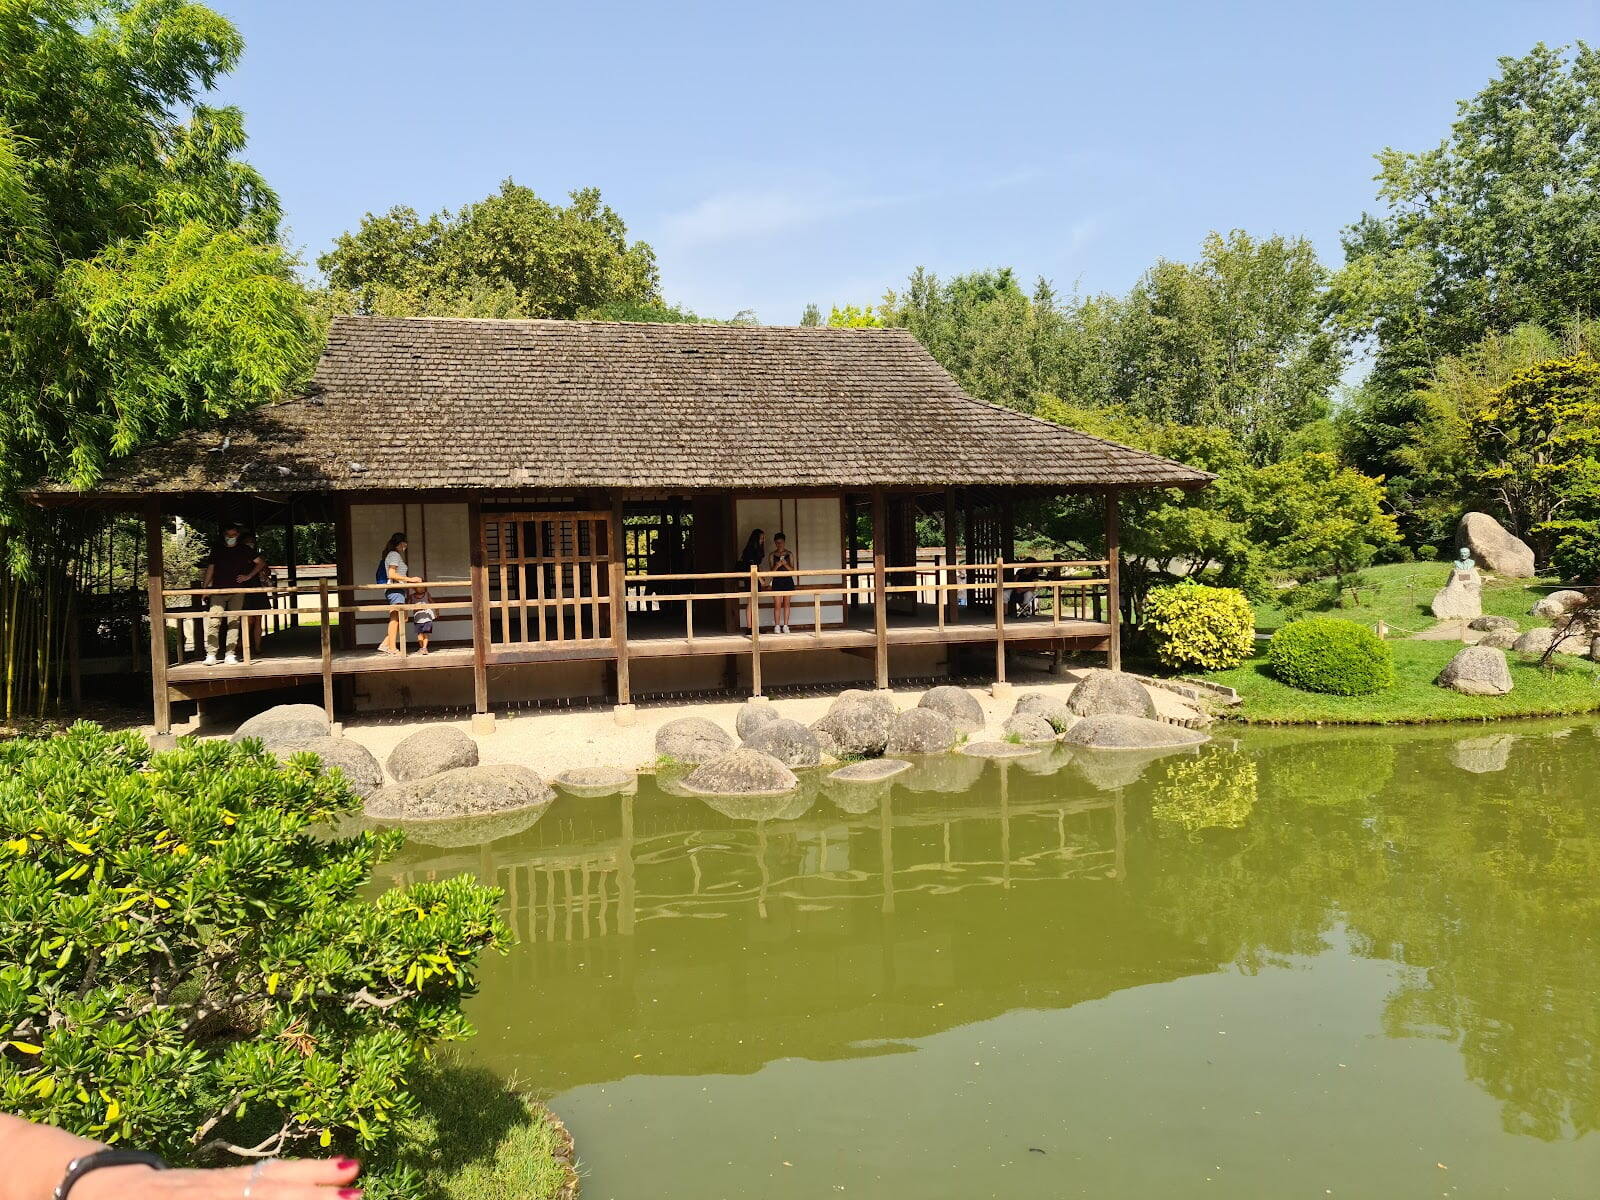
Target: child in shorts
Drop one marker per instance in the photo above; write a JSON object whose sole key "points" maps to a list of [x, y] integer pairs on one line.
{"points": [[422, 618]]}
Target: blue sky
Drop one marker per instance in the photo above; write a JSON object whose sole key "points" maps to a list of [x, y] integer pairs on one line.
{"points": [[777, 154]]}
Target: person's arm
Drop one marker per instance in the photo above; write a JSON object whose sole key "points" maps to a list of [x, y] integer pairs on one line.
{"points": [[36, 1159], [257, 566], [208, 575]]}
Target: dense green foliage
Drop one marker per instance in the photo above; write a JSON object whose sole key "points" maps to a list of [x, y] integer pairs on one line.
{"points": [[511, 254], [143, 292], [1496, 226], [185, 965], [1200, 628], [1236, 340], [1324, 654]]}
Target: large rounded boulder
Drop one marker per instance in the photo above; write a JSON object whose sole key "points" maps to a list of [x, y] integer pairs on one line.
{"points": [[1119, 731], [1110, 693], [920, 731], [752, 715], [880, 701], [1493, 545], [1029, 728], [285, 726], [1477, 671], [360, 769], [741, 772], [463, 792], [959, 706], [790, 742], [1500, 638], [597, 781], [1558, 604], [1490, 622], [1052, 708], [858, 730], [692, 741], [431, 751]]}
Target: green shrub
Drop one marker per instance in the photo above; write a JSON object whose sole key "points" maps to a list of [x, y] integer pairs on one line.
{"points": [[1324, 654], [1197, 627], [189, 963], [1427, 553]]}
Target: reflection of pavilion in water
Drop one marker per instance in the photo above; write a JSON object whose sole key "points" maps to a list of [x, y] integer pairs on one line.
{"points": [[655, 927]]}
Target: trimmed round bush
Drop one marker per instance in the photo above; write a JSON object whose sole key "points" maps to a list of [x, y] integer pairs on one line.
{"points": [[1200, 628], [1325, 654]]}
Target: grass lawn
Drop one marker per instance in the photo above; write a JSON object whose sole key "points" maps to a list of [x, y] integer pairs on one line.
{"points": [[475, 1139], [1571, 685], [1399, 595]]}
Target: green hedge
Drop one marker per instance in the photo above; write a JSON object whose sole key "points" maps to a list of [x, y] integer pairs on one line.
{"points": [[1194, 627], [1324, 654]]}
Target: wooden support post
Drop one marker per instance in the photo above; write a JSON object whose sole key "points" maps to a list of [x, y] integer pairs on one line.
{"points": [[755, 631], [880, 598], [327, 648], [619, 628], [155, 582], [291, 551], [480, 611], [1000, 620], [1114, 581], [948, 601]]}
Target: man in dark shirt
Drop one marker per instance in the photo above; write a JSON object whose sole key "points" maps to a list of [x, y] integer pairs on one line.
{"points": [[232, 565]]}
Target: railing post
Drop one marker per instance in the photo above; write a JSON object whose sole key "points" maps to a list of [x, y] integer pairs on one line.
{"points": [[755, 631], [880, 610], [154, 583], [1000, 620], [327, 646], [1114, 581], [619, 628], [481, 716]]}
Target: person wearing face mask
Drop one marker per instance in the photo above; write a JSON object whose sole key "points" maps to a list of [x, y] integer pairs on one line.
{"points": [[234, 564]]}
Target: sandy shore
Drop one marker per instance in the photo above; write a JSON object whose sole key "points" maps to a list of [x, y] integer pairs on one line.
{"points": [[551, 742]]}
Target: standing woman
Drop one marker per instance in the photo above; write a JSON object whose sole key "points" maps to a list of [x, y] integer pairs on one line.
{"points": [[393, 572], [782, 584]]}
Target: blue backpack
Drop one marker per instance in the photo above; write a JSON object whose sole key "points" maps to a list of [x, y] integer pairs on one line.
{"points": [[383, 573]]}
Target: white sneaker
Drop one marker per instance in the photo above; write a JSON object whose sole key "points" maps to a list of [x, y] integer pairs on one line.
{"points": [[231, 658], [211, 660]]}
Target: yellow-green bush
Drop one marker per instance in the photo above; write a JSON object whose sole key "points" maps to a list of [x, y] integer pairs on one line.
{"points": [[1200, 628]]}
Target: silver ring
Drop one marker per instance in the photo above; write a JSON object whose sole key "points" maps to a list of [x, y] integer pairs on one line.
{"points": [[255, 1174]]}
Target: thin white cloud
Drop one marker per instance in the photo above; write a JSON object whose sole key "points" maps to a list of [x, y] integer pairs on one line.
{"points": [[744, 214]]}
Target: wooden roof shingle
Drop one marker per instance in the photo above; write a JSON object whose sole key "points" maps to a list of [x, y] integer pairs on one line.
{"points": [[436, 403]]}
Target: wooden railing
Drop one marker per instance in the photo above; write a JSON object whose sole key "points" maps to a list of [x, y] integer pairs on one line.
{"points": [[1072, 596]]}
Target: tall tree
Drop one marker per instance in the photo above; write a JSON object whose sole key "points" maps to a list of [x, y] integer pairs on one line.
{"points": [[142, 288], [511, 254], [1496, 226]]}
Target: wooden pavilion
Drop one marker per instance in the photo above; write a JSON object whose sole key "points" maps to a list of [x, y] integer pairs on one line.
{"points": [[576, 493]]}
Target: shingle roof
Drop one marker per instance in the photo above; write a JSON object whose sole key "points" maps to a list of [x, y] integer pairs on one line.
{"points": [[414, 403]]}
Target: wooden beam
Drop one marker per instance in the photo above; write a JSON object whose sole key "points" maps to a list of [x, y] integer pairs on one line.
{"points": [[952, 553], [327, 647], [480, 608], [1114, 581], [291, 551], [616, 545], [755, 631], [1000, 620], [880, 598], [345, 568], [155, 582]]}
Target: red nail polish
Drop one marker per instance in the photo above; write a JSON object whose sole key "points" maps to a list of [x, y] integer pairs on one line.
{"points": [[344, 1164], [349, 1194]]}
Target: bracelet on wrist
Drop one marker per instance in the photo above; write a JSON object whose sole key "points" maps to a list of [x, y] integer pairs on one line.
{"points": [[81, 1166]]}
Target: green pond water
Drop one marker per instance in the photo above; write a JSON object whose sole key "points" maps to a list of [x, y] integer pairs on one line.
{"points": [[1295, 963]]}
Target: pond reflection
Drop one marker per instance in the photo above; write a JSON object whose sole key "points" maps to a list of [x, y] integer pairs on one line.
{"points": [[670, 937]]}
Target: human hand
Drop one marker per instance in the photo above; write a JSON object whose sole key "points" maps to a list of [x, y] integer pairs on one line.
{"points": [[270, 1179]]}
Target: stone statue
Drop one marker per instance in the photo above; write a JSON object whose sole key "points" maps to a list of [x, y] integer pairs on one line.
{"points": [[1464, 561], [1462, 596]]}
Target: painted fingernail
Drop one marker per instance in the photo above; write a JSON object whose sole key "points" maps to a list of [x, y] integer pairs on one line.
{"points": [[349, 1194], [345, 1164]]}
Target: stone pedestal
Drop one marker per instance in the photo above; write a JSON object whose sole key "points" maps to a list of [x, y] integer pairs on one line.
{"points": [[482, 724], [1000, 690], [625, 714], [1462, 596]]}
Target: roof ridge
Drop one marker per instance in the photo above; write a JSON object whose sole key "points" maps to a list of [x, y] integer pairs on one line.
{"points": [[808, 329]]}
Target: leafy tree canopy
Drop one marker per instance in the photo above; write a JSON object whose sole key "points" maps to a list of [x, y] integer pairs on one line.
{"points": [[142, 290], [1236, 340], [511, 254], [1496, 226]]}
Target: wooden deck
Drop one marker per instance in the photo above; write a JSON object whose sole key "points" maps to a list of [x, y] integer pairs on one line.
{"points": [[293, 655]]}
